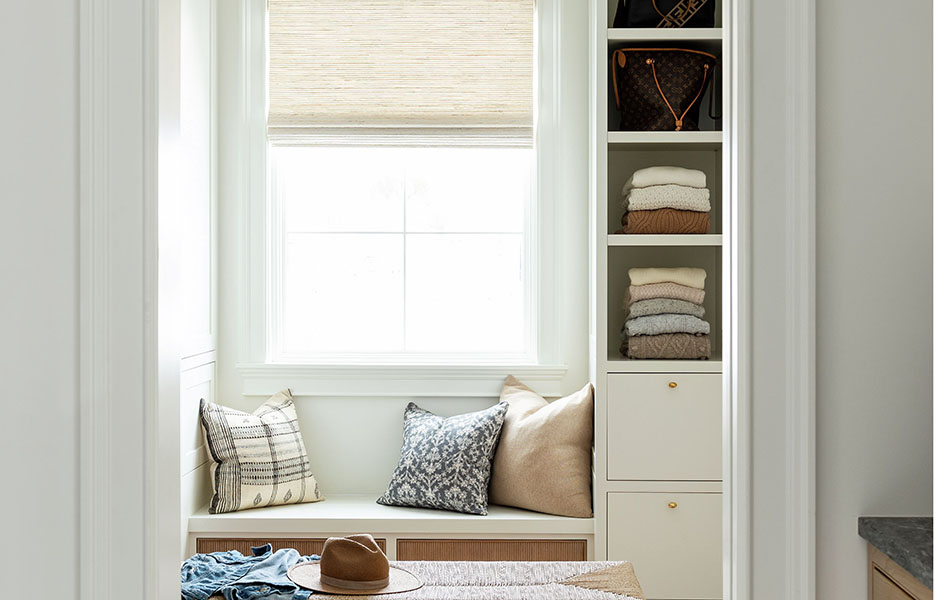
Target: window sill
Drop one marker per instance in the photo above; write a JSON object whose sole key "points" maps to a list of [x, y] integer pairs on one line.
{"points": [[482, 381]]}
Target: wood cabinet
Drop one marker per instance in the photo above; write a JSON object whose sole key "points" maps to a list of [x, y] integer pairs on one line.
{"points": [[887, 580]]}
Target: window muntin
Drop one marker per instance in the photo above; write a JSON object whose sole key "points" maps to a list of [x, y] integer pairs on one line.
{"points": [[397, 253]]}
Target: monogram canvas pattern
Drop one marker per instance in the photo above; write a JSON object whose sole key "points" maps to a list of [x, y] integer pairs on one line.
{"points": [[259, 458], [446, 461], [660, 89]]}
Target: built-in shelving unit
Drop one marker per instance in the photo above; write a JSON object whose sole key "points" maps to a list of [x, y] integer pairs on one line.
{"points": [[661, 424]]}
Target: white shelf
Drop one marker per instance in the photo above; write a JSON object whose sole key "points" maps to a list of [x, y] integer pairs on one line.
{"points": [[663, 35], [623, 239], [664, 366], [658, 140], [342, 514]]}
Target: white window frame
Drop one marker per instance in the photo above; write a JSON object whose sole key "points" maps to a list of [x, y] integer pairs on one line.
{"points": [[553, 131]]}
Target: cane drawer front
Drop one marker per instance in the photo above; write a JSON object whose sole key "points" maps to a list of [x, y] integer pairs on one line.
{"points": [[305, 546], [493, 550], [673, 540], [664, 426]]}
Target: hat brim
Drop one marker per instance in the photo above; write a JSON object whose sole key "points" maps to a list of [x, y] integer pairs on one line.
{"points": [[307, 575]]}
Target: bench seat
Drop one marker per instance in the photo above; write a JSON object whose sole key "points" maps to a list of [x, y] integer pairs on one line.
{"points": [[361, 513], [397, 527]]}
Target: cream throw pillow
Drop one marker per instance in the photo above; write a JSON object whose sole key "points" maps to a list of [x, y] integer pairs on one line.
{"points": [[543, 461], [259, 457]]}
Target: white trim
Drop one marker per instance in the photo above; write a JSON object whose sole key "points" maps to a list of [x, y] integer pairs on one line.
{"points": [[800, 68], [396, 380], [120, 497], [95, 483], [737, 480], [555, 184]]}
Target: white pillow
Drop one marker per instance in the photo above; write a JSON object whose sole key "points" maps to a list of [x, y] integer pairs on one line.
{"points": [[260, 459]]}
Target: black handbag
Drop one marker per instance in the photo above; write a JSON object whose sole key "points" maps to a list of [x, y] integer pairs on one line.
{"points": [[665, 13]]}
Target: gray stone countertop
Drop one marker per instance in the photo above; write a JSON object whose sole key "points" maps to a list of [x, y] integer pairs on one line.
{"points": [[908, 541]]}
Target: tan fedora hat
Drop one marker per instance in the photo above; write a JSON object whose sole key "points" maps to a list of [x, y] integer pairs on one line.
{"points": [[354, 566]]}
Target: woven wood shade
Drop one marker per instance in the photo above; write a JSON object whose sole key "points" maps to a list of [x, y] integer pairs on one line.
{"points": [[393, 63]]}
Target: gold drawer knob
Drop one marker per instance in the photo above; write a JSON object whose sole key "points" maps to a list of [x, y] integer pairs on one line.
{"points": [[672, 504], [672, 385]]}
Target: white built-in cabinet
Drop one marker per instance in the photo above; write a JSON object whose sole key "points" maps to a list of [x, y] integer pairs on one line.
{"points": [[662, 426]]}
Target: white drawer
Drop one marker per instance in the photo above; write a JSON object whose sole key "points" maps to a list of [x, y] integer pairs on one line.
{"points": [[664, 427], [676, 552]]}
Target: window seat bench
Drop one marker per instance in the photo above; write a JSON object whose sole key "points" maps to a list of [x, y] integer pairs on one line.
{"points": [[404, 533]]}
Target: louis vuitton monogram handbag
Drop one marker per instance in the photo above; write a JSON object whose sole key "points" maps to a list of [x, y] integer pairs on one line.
{"points": [[660, 89]]}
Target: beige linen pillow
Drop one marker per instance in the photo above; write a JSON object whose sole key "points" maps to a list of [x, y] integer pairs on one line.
{"points": [[543, 461]]}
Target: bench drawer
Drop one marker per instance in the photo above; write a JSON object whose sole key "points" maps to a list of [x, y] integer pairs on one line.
{"points": [[305, 546], [673, 540], [461, 549], [664, 426]]}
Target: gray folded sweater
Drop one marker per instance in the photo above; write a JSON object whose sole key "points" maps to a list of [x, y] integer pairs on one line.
{"points": [[659, 324], [661, 306]]}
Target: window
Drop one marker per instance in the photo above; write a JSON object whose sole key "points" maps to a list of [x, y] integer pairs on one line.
{"points": [[402, 221]]}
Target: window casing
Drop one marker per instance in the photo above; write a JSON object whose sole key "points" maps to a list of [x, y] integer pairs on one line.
{"points": [[391, 244], [557, 249]]}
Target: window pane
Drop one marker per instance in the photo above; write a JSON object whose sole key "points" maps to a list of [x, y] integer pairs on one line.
{"points": [[401, 251], [468, 189], [343, 293], [340, 189], [464, 293]]}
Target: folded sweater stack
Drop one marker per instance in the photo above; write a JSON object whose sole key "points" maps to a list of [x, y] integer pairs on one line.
{"points": [[666, 200], [665, 314]]}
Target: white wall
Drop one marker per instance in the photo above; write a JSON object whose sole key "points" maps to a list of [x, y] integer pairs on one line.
{"points": [[198, 249], [874, 380], [874, 250], [38, 304]]}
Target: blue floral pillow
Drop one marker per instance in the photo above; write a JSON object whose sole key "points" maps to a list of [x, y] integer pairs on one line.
{"points": [[446, 461]]}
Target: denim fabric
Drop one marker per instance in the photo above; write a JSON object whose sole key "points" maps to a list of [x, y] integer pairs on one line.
{"points": [[239, 577]]}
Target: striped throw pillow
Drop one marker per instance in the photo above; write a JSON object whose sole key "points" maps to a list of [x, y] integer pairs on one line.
{"points": [[259, 458]]}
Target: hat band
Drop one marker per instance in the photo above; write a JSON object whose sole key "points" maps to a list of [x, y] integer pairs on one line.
{"points": [[351, 584]]}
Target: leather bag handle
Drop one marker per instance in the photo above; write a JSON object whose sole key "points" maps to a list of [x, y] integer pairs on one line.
{"points": [[619, 57], [702, 88]]}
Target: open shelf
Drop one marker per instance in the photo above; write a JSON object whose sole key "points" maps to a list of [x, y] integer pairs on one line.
{"points": [[619, 260], [631, 34], [624, 239], [665, 140]]}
